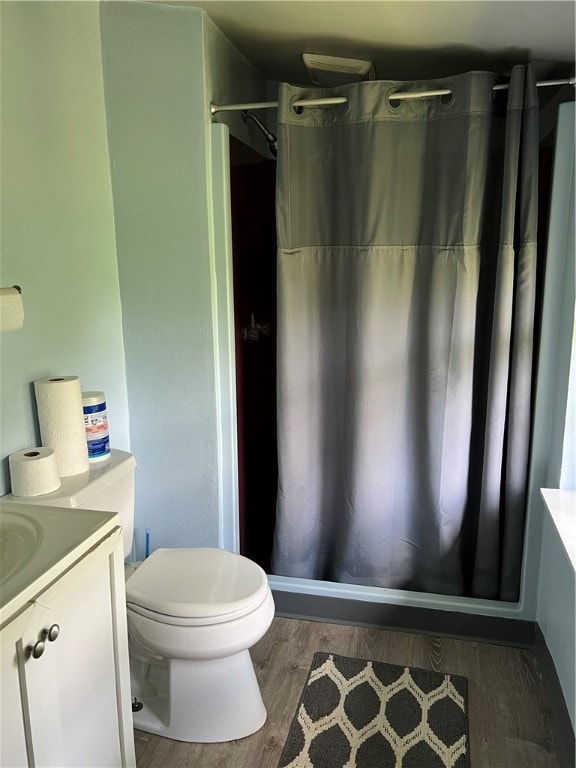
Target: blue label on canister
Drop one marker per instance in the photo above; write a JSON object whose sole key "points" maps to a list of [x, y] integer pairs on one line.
{"points": [[94, 408], [99, 447]]}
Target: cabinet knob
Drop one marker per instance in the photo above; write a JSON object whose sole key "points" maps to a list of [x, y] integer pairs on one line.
{"points": [[38, 649], [39, 646]]}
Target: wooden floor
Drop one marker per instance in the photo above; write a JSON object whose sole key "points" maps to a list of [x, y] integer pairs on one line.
{"points": [[509, 715]]}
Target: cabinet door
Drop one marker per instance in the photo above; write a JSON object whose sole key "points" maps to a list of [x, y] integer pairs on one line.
{"points": [[13, 751], [70, 688]]}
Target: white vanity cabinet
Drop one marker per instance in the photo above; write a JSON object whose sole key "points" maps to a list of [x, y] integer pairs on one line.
{"points": [[64, 676]]}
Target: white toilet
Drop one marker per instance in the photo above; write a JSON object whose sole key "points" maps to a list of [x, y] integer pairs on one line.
{"points": [[192, 616]]}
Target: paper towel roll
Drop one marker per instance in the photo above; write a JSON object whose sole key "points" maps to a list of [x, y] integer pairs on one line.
{"points": [[11, 309], [59, 401], [33, 471]]}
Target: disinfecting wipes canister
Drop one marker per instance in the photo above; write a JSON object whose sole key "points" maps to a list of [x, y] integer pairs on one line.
{"points": [[96, 423]]}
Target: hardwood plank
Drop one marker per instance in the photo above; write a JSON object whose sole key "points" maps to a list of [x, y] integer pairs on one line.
{"points": [[509, 715]]}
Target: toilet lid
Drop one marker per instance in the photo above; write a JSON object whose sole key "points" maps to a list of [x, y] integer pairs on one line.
{"points": [[192, 583]]}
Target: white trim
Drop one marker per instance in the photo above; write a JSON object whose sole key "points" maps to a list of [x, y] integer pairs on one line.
{"points": [[223, 331], [561, 506], [407, 599]]}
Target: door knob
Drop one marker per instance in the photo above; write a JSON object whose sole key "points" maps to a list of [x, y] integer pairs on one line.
{"points": [[255, 330], [52, 633]]}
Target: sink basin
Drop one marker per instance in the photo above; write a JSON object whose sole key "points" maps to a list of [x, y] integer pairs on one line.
{"points": [[20, 537], [38, 543]]}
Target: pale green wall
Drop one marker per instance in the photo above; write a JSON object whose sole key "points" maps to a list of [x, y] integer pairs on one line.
{"points": [[58, 238], [159, 63]]}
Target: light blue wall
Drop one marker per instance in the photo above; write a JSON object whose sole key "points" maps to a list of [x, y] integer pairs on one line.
{"points": [[58, 238], [555, 353], [555, 588], [159, 66]]}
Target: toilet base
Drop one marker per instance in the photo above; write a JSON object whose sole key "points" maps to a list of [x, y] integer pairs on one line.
{"points": [[199, 701]]}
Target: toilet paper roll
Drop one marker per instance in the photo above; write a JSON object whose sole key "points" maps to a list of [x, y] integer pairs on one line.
{"points": [[59, 401], [11, 309], [33, 472]]}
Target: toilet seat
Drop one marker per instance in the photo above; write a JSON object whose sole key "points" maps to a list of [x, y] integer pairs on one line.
{"points": [[192, 587]]}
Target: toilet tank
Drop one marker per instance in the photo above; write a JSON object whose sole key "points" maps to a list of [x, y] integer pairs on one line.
{"points": [[108, 487]]}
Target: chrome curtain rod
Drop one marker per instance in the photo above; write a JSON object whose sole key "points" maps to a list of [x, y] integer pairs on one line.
{"points": [[399, 96]]}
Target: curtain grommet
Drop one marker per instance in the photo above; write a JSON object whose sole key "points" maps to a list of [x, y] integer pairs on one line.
{"points": [[448, 99], [298, 111], [389, 96]]}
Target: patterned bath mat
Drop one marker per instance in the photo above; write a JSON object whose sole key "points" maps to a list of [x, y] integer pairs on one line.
{"points": [[367, 714]]}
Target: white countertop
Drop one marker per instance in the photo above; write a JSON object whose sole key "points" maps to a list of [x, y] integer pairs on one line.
{"points": [[562, 508], [39, 543]]}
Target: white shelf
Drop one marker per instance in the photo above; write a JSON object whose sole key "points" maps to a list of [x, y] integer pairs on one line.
{"points": [[562, 508]]}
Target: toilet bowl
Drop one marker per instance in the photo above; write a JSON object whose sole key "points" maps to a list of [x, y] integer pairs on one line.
{"points": [[192, 616]]}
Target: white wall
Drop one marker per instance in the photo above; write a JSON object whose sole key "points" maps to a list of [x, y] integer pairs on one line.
{"points": [[58, 239]]}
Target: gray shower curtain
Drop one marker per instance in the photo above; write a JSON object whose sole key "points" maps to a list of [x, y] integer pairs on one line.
{"points": [[406, 283]]}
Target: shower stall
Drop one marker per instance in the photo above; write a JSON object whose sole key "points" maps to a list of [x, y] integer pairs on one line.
{"points": [[255, 372]]}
